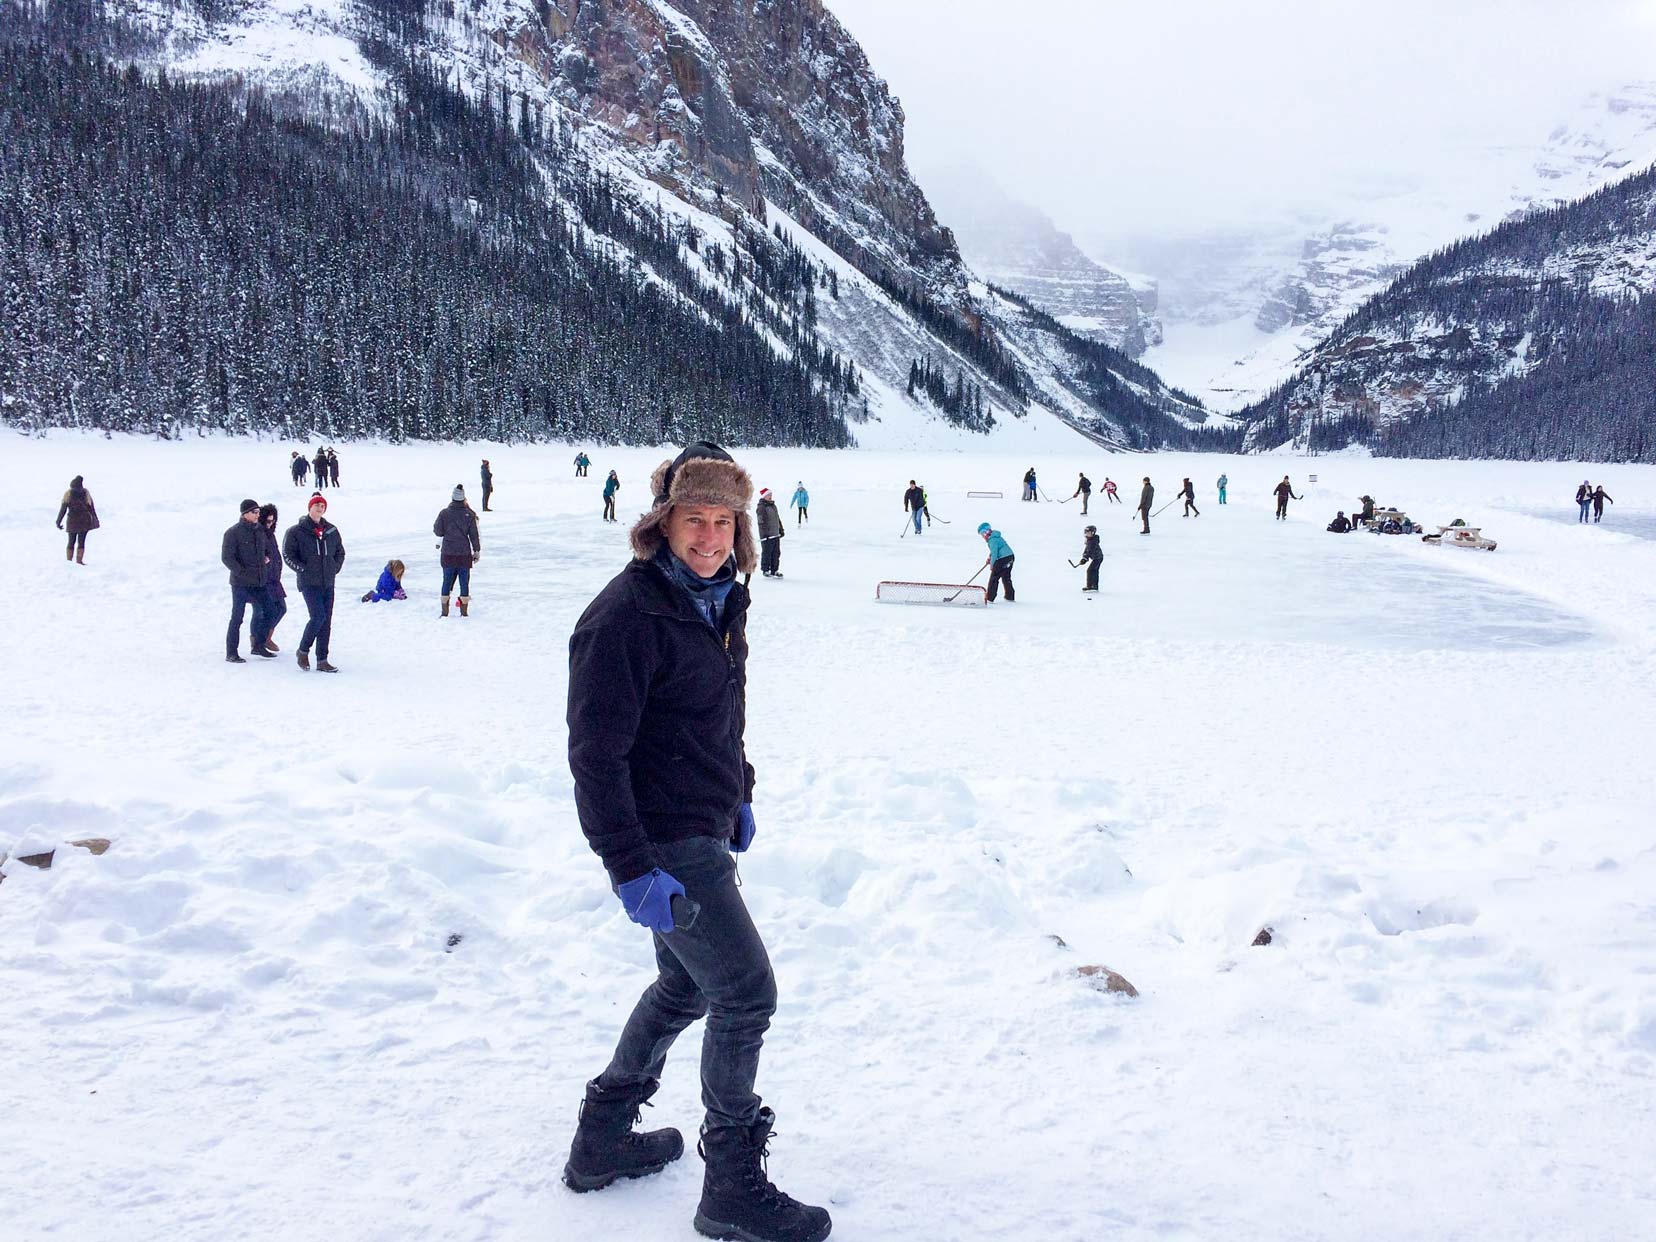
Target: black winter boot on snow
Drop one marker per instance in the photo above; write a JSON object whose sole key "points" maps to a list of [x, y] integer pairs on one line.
{"points": [[607, 1148], [738, 1200]]}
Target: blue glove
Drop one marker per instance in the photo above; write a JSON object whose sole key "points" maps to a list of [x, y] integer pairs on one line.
{"points": [[745, 828], [648, 899]]}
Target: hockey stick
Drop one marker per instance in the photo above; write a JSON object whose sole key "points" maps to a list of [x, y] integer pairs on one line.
{"points": [[1167, 506], [1075, 564], [934, 516], [951, 599], [904, 535]]}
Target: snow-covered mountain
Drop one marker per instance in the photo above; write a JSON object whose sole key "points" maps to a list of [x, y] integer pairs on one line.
{"points": [[1241, 306], [1537, 340], [1017, 246], [742, 161]]}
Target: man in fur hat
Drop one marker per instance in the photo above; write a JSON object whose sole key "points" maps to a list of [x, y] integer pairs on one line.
{"points": [[657, 708]]}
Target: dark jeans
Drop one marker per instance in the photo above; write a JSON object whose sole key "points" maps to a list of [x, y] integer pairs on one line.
{"points": [[804, 516], [770, 555], [1282, 509], [319, 603], [609, 508], [1000, 574], [241, 598], [1190, 507], [462, 572], [268, 609], [1144, 516], [717, 968], [1092, 575]]}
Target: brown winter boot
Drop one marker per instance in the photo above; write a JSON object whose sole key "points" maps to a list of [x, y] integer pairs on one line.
{"points": [[465, 602], [80, 556], [445, 605], [69, 553]]}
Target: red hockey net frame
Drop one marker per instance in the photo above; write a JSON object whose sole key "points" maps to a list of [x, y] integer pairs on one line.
{"points": [[931, 593]]}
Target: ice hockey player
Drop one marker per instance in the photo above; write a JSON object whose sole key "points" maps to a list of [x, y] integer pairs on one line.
{"points": [[1092, 556], [999, 562], [1147, 498], [914, 501], [769, 521], [1224, 482], [1341, 524], [1110, 490], [1083, 489], [801, 501], [1284, 490], [1188, 495], [664, 795]]}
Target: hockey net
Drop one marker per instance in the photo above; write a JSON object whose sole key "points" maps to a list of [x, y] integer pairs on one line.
{"points": [[930, 593], [983, 496]]}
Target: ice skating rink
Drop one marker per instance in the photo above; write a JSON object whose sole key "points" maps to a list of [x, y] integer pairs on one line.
{"points": [[348, 961]]}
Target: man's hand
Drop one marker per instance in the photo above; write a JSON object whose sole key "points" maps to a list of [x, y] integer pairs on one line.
{"points": [[648, 899], [745, 828]]}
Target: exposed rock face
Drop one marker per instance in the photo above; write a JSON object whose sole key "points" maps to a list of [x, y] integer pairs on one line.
{"points": [[1019, 248], [772, 99]]}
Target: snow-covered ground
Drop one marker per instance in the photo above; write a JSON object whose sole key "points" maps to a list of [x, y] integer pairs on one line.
{"points": [[1427, 770]]}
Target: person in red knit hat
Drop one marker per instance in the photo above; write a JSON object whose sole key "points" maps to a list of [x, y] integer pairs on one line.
{"points": [[315, 552]]}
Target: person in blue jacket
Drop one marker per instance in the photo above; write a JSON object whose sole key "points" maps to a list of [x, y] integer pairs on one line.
{"points": [[611, 486], [801, 501], [999, 562], [389, 585]]}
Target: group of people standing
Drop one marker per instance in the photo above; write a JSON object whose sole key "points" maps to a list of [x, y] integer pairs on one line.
{"points": [[312, 548], [1590, 499], [325, 465]]}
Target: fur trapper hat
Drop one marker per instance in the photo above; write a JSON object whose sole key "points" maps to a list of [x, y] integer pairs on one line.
{"points": [[704, 474]]}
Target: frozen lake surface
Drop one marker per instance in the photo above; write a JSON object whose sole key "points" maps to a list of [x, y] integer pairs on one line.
{"points": [[1426, 770]]}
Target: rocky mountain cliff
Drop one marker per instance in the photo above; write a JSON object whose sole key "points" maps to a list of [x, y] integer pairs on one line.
{"points": [[737, 162], [1017, 246], [1537, 339]]}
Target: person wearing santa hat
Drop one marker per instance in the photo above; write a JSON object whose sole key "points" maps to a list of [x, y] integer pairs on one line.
{"points": [[315, 552], [769, 520]]}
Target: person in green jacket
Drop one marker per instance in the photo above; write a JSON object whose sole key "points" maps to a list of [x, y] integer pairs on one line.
{"points": [[999, 562]]}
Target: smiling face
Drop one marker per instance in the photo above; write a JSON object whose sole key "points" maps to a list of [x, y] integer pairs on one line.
{"points": [[317, 510], [701, 536]]}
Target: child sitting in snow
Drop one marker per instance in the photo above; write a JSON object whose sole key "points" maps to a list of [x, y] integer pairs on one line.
{"points": [[389, 585]]}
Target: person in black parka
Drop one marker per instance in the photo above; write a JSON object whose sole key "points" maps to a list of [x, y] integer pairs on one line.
{"points": [[663, 789], [488, 485], [769, 519], [82, 517], [1188, 495], [272, 599], [315, 552], [1092, 556], [1083, 489], [319, 469], [456, 526], [243, 553], [298, 467]]}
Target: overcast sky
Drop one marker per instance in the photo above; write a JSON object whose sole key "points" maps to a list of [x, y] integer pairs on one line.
{"points": [[1172, 115]]}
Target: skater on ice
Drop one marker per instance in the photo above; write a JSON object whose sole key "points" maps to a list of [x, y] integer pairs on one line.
{"points": [[315, 552], [1110, 490], [1188, 495], [769, 520], [1147, 498], [582, 461], [456, 526], [663, 790], [1224, 482], [1284, 491], [1029, 486], [999, 562], [801, 501], [76, 508], [1083, 489], [611, 485], [1599, 497], [1584, 500], [914, 503], [1092, 556]]}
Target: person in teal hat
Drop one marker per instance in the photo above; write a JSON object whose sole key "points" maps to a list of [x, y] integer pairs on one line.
{"points": [[999, 562]]}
